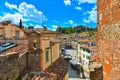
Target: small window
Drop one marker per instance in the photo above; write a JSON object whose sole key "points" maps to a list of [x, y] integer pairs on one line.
{"points": [[35, 45], [17, 34], [87, 57], [47, 56], [87, 50], [83, 55]]}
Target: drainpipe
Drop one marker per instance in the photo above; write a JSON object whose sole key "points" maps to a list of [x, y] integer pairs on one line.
{"points": [[51, 53]]}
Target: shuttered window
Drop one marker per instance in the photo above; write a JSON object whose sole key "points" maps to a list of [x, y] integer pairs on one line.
{"points": [[47, 56]]}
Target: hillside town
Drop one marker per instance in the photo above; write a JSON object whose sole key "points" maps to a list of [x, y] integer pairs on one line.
{"points": [[29, 53]]}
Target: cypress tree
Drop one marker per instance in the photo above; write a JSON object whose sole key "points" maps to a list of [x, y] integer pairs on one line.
{"points": [[20, 23]]}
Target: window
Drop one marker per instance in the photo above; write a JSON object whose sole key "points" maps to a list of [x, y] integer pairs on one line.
{"points": [[87, 57], [47, 56], [84, 49], [83, 55], [17, 34], [93, 44], [35, 45], [87, 50]]}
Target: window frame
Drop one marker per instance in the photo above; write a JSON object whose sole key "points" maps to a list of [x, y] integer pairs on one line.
{"points": [[47, 56]]}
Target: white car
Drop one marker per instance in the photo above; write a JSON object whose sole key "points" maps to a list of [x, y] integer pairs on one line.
{"points": [[75, 64], [67, 57]]}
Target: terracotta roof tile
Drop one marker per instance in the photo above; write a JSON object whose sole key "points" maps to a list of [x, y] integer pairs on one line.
{"points": [[17, 48], [59, 67], [56, 71]]}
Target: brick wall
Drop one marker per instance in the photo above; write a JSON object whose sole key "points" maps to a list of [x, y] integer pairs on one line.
{"points": [[108, 35]]}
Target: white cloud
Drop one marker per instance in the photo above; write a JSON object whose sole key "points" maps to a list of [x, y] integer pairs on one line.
{"points": [[35, 26], [26, 12], [25, 25], [31, 24], [86, 20], [11, 6], [78, 8], [71, 21], [52, 29], [67, 2], [86, 1], [29, 11], [38, 26], [54, 26], [13, 17], [92, 16]]}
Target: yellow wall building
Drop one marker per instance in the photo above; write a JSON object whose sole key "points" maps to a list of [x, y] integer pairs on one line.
{"points": [[8, 30], [43, 52]]}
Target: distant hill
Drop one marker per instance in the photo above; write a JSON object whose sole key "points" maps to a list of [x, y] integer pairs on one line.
{"points": [[77, 29]]}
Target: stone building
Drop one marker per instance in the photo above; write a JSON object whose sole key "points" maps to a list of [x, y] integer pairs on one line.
{"points": [[44, 56], [41, 55], [108, 35], [12, 60], [66, 41], [9, 31], [95, 67]]}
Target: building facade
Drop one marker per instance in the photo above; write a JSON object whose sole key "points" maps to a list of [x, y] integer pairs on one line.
{"points": [[10, 31], [108, 36], [66, 42], [86, 47], [42, 55]]}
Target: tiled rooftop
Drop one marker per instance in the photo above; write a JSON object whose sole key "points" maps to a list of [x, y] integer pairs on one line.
{"points": [[18, 48], [56, 71]]}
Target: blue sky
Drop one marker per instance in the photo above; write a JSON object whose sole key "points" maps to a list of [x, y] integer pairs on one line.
{"points": [[51, 13]]}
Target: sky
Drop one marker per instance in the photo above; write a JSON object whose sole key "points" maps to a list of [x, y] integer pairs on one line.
{"points": [[51, 13]]}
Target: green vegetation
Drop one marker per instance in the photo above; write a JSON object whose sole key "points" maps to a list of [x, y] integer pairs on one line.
{"points": [[76, 29], [30, 27]]}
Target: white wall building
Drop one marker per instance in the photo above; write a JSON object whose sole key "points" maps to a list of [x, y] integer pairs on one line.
{"points": [[84, 52]]}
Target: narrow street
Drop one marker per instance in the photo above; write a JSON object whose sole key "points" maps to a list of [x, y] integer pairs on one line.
{"points": [[73, 75]]}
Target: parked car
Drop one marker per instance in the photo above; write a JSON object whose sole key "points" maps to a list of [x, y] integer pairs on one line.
{"points": [[67, 57], [75, 64]]}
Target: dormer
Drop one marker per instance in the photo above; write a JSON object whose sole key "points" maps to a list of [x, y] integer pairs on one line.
{"points": [[34, 40]]}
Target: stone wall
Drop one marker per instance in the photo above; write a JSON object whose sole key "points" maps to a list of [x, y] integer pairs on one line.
{"points": [[108, 35], [22, 63], [9, 67], [33, 61]]}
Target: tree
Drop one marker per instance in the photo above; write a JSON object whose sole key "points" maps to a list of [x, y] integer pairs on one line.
{"points": [[31, 27], [76, 29], [20, 25], [45, 28]]}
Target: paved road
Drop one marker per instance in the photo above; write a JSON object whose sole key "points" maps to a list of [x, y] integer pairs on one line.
{"points": [[72, 73]]}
